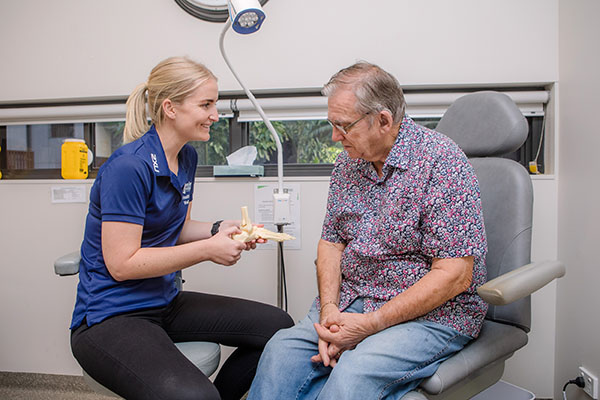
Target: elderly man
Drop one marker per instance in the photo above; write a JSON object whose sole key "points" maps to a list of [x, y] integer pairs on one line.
{"points": [[401, 255]]}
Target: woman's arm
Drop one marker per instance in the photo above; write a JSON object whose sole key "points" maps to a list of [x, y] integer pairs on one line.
{"points": [[196, 230], [126, 259]]}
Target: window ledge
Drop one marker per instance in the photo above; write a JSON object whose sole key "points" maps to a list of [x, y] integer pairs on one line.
{"points": [[543, 177], [263, 179]]}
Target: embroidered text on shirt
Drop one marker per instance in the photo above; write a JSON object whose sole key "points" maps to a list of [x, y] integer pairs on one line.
{"points": [[154, 162]]}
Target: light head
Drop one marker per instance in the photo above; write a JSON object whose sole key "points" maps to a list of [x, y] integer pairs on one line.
{"points": [[246, 16]]}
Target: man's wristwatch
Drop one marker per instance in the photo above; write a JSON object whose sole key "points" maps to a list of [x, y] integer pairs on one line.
{"points": [[215, 227]]}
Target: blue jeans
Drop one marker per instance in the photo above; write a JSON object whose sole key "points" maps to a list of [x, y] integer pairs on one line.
{"points": [[386, 365]]}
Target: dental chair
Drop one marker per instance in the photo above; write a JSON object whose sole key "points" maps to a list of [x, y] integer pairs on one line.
{"points": [[487, 125], [204, 355]]}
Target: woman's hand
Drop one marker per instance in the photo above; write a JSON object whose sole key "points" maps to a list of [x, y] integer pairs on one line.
{"points": [[228, 223], [226, 251], [236, 223]]}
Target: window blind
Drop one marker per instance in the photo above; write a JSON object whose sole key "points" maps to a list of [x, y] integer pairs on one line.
{"points": [[76, 113], [429, 104]]}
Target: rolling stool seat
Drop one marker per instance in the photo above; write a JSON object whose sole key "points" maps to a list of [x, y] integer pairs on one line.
{"points": [[204, 355]]}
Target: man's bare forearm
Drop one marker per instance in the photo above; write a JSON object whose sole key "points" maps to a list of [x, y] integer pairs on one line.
{"points": [[329, 275]]}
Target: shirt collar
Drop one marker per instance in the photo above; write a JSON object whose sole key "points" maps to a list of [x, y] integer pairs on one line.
{"points": [[399, 156], [155, 158]]}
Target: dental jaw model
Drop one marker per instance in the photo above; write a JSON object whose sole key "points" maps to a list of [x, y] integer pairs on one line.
{"points": [[251, 232]]}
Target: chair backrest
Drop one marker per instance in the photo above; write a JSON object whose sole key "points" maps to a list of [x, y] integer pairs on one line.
{"points": [[487, 125]]}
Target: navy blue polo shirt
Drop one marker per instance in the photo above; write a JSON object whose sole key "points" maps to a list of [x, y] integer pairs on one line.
{"points": [[136, 186]]}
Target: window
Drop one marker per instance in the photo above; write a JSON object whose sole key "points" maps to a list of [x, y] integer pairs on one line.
{"points": [[31, 136], [526, 153], [108, 136], [303, 142], [34, 151], [217, 148]]}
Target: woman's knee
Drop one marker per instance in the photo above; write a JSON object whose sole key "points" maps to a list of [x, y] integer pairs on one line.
{"points": [[270, 322], [279, 319]]}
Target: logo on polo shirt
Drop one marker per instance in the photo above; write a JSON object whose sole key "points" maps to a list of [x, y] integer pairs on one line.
{"points": [[187, 188], [154, 162]]}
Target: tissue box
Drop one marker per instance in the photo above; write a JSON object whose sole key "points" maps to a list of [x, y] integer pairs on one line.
{"points": [[238, 170]]}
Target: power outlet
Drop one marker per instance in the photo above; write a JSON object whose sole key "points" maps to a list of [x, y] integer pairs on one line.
{"points": [[591, 383]]}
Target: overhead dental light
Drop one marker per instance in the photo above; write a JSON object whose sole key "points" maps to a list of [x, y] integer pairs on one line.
{"points": [[247, 16], [281, 200], [208, 10]]}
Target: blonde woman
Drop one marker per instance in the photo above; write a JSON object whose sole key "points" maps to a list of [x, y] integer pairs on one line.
{"points": [[138, 233]]}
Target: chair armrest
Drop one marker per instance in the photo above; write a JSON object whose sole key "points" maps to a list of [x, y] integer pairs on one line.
{"points": [[67, 264], [521, 282]]}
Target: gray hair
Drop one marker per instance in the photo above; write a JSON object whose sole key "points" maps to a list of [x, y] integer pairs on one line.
{"points": [[375, 89]]}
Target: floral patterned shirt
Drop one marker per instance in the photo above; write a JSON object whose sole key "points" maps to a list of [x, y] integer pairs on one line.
{"points": [[426, 205]]}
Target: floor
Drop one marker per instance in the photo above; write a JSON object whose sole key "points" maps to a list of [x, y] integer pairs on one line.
{"points": [[29, 386]]}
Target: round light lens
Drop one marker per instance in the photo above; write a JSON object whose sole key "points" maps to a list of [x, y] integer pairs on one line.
{"points": [[248, 19]]}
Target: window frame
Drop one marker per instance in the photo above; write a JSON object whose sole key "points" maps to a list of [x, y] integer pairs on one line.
{"points": [[92, 111]]}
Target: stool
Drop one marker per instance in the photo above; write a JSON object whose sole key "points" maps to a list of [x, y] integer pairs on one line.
{"points": [[204, 355]]}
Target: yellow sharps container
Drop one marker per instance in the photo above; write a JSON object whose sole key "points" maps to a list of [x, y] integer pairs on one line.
{"points": [[74, 159]]}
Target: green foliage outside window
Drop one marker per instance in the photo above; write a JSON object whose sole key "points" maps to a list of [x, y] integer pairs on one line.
{"points": [[303, 142], [212, 152], [115, 130], [216, 149]]}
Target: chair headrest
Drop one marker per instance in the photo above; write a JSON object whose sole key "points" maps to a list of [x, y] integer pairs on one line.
{"points": [[485, 124]]}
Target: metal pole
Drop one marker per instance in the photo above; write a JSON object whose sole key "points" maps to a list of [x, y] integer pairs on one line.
{"points": [[279, 271]]}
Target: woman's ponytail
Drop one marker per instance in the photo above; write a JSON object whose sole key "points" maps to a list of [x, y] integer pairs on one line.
{"points": [[136, 120]]}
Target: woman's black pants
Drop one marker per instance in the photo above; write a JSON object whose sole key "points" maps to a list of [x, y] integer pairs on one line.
{"points": [[134, 356]]}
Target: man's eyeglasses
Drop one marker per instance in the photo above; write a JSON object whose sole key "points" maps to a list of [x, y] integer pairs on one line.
{"points": [[346, 129]]}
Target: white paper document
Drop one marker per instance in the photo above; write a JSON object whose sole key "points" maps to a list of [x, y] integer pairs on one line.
{"points": [[263, 213], [68, 194]]}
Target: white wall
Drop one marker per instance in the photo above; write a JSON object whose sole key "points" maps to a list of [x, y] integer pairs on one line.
{"points": [[578, 321], [105, 48], [37, 304], [83, 48], [35, 232], [532, 367]]}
